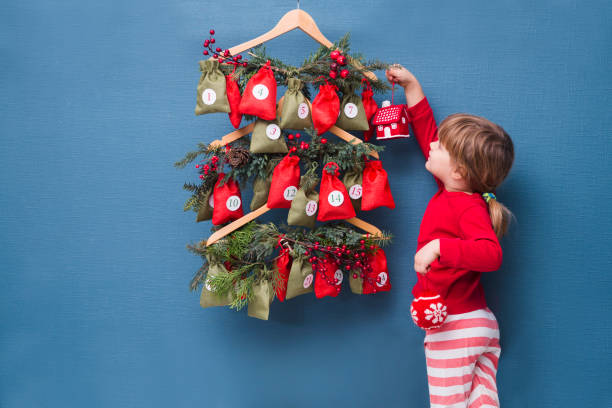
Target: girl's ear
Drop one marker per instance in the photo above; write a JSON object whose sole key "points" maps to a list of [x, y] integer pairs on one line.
{"points": [[458, 173]]}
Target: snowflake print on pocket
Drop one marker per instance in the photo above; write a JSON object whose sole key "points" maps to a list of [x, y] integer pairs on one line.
{"points": [[437, 312]]}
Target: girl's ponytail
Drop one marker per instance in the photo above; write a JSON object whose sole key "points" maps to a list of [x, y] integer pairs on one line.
{"points": [[499, 213]]}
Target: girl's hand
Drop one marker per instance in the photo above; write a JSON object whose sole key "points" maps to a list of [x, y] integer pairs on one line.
{"points": [[426, 255], [396, 74], [400, 75]]}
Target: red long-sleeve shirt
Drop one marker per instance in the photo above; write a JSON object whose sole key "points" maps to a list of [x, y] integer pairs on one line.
{"points": [[468, 244]]}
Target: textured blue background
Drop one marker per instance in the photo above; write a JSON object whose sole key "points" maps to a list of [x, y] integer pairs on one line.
{"points": [[97, 103]]}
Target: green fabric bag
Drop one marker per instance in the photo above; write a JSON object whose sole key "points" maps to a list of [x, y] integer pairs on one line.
{"points": [[263, 295], [206, 208], [261, 189], [209, 298], [352, 113], [353, 181], [212, 94], [267, 138], [303, 210], [296, 112], [300, 278], [356, 284]]}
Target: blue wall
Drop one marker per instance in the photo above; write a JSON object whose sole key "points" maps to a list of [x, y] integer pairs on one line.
{"points": [[97, 103]]}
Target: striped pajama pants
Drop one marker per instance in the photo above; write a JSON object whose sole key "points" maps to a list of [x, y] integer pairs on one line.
{"points": [[462, 357]]}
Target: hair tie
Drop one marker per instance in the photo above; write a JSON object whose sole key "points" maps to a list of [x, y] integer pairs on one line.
{"points": [[488, 197]]}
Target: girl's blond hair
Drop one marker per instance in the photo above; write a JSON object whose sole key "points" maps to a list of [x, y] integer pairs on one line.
{"points": [[484, 154]]}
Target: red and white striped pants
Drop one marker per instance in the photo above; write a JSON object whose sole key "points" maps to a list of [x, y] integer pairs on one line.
{"points": [[462, 357]]}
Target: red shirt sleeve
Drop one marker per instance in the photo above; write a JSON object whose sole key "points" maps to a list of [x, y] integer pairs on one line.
{"points": [[424, 127], [479, 249]]}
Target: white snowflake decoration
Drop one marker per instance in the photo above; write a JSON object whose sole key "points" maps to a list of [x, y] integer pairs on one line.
{"points": [[437, 313]]}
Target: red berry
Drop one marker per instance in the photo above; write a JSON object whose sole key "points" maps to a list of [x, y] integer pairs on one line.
{"points": [[290, 137], [297, 135], [362, 242], [201, 176], [197, 166], [206, 43], [333, 74], [218, 49], [215, 56], [334, 54], [212, 40], [235, 58], [341, 60], [225, 53], [244, 64], [344, 73], [212, 32], [333, 66], [323, 141], [348, 267], [354, 276], [205, 52], [239, 56]]}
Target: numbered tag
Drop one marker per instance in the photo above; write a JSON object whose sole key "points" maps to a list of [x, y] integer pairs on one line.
{"points": [[289, 193], [311, 208], [308, 281], [339, 276], [260, 92], [382, 279], [273, 131], [350, 110], [302, 111], [211, 201], [355, 191], [233, 203], [209, 96], [335, 198]]}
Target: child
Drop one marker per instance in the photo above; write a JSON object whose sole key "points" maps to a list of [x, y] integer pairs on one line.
{"points": [[469, 157]]}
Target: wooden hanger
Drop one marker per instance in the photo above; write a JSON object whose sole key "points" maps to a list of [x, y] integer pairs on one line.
{"points": [[293, 19]]}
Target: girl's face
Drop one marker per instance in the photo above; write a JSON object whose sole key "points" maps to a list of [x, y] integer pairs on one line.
{"points": [[439, 163]]}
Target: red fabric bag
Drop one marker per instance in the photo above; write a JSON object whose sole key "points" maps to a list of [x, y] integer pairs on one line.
{"points": [[233, 96], [227, 201], [325, 108], [285, 182], [328, 280], [259, 98], [370, 106], [376, 278], [283, 265], [376, 190], [334, 201]]}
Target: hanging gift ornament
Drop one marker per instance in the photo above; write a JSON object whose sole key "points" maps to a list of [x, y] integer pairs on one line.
{"points": [[259, 98], [263, 295], [325, 108], [305, 204], [370, 107], [227, 201], [352, 114], [428, 310], [233, 96], [285, 182], [391, 121], [296, 112], [205, 212], [328, 279], [212, 94], [376, 277], [300, 277], [353, 181], [334, 202], [267, 137], [282, 268], [261, 188], [376, 190]]}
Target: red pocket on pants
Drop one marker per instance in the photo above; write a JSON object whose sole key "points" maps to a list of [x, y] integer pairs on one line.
{"points": [[325, 108], [376, 190], [334, 201], [227, 201], [259, 98], [376, 278], [328, 279], [233, 96], [285, 182]]}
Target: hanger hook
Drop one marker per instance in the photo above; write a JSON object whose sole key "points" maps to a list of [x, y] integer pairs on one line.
{"points": [[298, 6]]}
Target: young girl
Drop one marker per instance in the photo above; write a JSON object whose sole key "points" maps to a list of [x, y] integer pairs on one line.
{"points": [[469, 157]]}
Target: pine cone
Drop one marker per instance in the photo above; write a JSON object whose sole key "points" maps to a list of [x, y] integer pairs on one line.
{"points": [[238, 157]]}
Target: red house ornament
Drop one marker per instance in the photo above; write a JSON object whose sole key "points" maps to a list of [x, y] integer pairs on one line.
{"points": [[391, 121]]}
